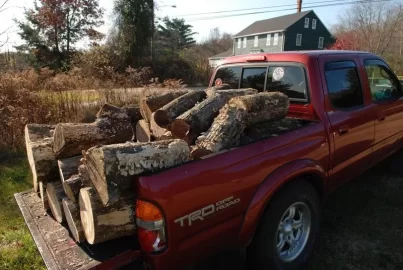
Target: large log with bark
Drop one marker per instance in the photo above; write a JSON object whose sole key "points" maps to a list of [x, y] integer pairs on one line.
{"points": [[55, 194], [101, 223], [39, 148], [112, 112], [112, 168], [165, 115], [133, 111], [68, 169], [143, 131], [70, 138], [192, 123], [150, 104], [72, 213], [231, 92], [239, 113]]}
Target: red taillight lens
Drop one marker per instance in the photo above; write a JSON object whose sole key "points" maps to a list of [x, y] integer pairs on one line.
{"points": [[150, 227], [151, 241]]}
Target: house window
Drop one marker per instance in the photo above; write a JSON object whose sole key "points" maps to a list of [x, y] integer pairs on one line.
{"points": [[275, 42], [320, 45], [239, 43], [313, 23], [268, 41], [299, 39], [306, 22], [256, 43], [244, 42]]}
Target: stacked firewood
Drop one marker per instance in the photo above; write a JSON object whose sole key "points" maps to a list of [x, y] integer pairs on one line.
{"points": [[84, 173]]}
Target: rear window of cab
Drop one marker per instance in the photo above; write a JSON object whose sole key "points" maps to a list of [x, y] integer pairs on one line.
{"points": [[285, 78]]}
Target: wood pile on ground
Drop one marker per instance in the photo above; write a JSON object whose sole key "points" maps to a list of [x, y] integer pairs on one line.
{"points": [[84, 172]]}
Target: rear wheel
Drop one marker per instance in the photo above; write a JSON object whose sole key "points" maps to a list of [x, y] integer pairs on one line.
{"points": [[288, 229]]}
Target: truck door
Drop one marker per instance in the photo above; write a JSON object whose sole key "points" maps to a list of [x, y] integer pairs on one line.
{"points": [[386, 95], [349, 112]]}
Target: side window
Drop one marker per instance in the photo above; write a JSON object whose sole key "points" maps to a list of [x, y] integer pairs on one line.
{"points": [[229, 75], [254, 78], [382, 83], [313, 23], [299, 39], [306, 22], [343, 85], [289, 80]]}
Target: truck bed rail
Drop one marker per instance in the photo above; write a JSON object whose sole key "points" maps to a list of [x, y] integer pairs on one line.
{"points": [[59, 251]]}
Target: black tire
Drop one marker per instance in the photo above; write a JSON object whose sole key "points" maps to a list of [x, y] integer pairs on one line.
{"points": [[262, 253]]}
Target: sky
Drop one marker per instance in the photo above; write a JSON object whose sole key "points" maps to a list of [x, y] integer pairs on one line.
{"points": [[231, 25]]}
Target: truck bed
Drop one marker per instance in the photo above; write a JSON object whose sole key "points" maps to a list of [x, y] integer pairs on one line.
{"points": [[58, 249]]}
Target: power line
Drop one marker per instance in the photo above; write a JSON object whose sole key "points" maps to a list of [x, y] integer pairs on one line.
{"points": [[286, 9], [258, 8]]}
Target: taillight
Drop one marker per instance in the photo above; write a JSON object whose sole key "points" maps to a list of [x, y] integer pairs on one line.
{"points": [[150, 227]]}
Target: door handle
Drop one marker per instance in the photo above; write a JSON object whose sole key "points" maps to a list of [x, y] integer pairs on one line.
{"points": [[343, 130]]}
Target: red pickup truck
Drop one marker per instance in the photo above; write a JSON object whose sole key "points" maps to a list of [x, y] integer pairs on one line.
{"points": [[266, 196]]}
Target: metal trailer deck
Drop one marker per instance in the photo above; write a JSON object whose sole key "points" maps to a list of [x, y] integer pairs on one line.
{"points": [[60, 252]]}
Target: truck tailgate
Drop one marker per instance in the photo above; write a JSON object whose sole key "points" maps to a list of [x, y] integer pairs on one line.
{"points": [[59, 251]]}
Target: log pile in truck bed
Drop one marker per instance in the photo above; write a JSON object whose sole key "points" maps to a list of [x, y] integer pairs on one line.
{"points": [[96, 164]]}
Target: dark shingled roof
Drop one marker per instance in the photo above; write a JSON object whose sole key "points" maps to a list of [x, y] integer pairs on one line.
{"points": [[273, 24], [223, 54]]}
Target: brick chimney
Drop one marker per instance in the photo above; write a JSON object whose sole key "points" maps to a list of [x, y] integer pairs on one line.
{"points": [[299, 5]]}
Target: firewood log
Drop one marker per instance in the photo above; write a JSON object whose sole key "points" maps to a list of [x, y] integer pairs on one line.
{"points": [[68, 169], [143, 131], [192, 123], [232, 92], [109, 111], [44, 198], [165, 115], [156, 130], [150, 104], [70, 139], [55, 194], [133, 111], [101, 223], [239, 113], [39, 147], [72, 213], [112, 168]]}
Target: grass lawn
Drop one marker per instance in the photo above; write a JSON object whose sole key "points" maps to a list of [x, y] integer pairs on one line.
{"points": [[361, 225], [17, 249]]}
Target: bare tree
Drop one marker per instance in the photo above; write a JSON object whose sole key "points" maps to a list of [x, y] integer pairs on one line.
{"points": [[3, 7]]}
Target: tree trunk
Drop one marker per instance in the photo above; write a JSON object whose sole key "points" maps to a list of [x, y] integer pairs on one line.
{"points": [[150, 104], [157, 131], [231, 92], [55, 194], [68, 169], [143, 132], [44, 197], [112, 168], [70, 139], [100, 223], [72, 213], [192, 123], [112, 112], [239, 113], [39, 147], [165, 115]]}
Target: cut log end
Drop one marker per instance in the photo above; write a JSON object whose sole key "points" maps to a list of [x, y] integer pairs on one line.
{"points": [[72, 214], [72, 187], [42, 194], [180, 128], [86, 213], [143, 132], [55, 195], [161, 118]]}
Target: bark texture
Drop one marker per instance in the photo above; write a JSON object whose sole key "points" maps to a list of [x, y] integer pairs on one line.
{"points": [[72, 187], [39, 148], [165, 115], [150, 104], [143, 131], [101, 223], [231, 92], [109, 111], [133, 111], [70, 139], [44, 197], [68, 169], [192, 123], [112, 168], [72, 213], [55, 194], [240, 112]]}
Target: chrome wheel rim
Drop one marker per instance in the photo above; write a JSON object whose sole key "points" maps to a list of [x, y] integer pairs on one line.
{"points": [[293, 231]]}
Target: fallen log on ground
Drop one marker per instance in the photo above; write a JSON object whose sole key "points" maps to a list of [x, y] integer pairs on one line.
{"points": [[39, 148], [72, 213], [101, 223], [68, 169], [239, 113], [143, 131], [150, 104], [55, 194], [192, 123], [112, 168], [165, 115], [70, 138]]}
